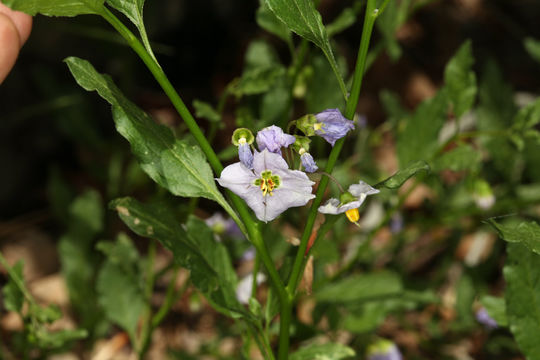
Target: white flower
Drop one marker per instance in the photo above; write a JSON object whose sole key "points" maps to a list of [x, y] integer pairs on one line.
{"points": [[270, 187], [349, 201], [245, 287]]}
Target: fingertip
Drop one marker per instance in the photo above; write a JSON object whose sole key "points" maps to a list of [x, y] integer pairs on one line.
{"points": [[22, 22], [9, 38]]}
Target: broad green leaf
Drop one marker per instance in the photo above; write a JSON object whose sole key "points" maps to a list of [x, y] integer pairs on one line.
{"points": [[56, 7], [522, 295], [302, 17], [12, 293], [460, 80], [527, 233], [392, 106], [275, 102], [174, 164], [120, 285], [205, 111], [342, 22], [58, 339], [193, 247], [388, 23], [496, 309], [330, 351], [322, 90], [133, 10], [261, 70], [396, 180], [533, 47], [78, 257], [524, 123], [463, 157], [258, 80], [419, 138], [362, 287], [269, 22]]}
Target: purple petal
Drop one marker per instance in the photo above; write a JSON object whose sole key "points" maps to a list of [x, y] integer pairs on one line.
{"points": [[245, 155], [273, 139], [308, 162], [334, 125]]}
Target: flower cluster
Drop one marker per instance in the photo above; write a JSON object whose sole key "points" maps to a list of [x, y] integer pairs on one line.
{"points": [[263, 177]]}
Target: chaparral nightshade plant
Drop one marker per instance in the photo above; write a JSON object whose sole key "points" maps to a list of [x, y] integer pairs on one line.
{"points": [[270, 187]]}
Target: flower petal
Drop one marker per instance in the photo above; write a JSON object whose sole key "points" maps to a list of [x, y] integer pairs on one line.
{"points": [[273, 138], [362, 188], [266, 160], [330, 207]]}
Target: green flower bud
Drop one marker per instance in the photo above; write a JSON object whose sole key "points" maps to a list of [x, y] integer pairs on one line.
{"points": [[307, 124], [302, 142], [347, 197]]}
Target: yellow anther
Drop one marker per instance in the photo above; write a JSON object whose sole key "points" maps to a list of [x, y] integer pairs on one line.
{"points": [[317, 126], [353, 215]]}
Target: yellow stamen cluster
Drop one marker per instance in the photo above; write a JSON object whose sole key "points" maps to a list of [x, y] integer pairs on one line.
{"points": [[268, 182]]}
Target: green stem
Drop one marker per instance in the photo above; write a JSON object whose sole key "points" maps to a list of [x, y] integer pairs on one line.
{"points": [[17, 280], [250, 226], [352, 102], [369, 20], [146, 331]]}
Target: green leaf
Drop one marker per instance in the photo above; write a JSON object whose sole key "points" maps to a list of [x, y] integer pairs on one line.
{"points": [[533, 47], [522, 295], [463, 157], [258, 80], [302, 18], [174, 164], [13, 295], [496, 309], [133, 10], [269, 22], [419, 138], [396, 180], [194, 249], [342, 22], [58, 339], [322, 90], [362, 287], [460, 80], [527, 117], [120, 286], [388, 23], [56, 7], [331, 351], [527, 233], [78, 257], [206, 111]]}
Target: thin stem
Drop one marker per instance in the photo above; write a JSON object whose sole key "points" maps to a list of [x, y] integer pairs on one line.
{"points": [[17, 280], [256, 267], [247, 223], [284, 324], [250, 227], [146, 330], [369, 20]]}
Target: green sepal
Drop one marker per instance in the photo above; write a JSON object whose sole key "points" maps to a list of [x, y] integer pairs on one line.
{"points": [[242, 133]]}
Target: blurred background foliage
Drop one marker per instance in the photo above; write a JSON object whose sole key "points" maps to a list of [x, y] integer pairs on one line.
{"points": [[64, 162]]}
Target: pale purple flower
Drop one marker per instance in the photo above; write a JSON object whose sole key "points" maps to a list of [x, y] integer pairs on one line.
{"points": [[245, 287], [249, 254], [270, 187], [331, 125], [245, 155], [307, 162], [273, 139], [383, 350], [359, 193], [222, 226], [483, 318]]}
